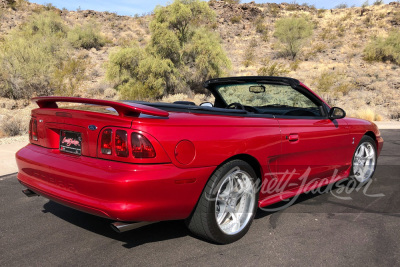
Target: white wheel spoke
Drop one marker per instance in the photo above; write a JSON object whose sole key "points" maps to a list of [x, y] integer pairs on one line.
{"points": [[235, 221], [230, 184], [356, 168], [222, 214]]}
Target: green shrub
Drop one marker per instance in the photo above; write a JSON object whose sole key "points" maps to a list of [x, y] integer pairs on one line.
{"points": [[181, 54], [69, 76], [151, 79], [384, 49], [206, 57], [86, 36], [292, 32], [30, 55]]}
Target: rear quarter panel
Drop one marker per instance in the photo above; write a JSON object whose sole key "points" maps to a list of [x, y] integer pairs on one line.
{"points": [[215, 138]]}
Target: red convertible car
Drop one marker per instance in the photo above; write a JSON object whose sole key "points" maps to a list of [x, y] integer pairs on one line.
{"points": [[264, 139]]}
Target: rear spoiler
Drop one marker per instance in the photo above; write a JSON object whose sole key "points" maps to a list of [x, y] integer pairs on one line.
{"points": [[123, 109]]}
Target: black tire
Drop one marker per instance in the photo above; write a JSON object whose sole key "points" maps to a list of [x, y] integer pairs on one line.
{"points": [[203, 221], [362, 171]]}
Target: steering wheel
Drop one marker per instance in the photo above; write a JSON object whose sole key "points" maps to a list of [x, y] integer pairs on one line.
{"points": [[235, 105]]}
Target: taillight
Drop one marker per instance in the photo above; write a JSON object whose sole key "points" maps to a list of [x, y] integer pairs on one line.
{"points": [[141, 147], [106, 142], [30, 129], [33, 134], [121, 143]]}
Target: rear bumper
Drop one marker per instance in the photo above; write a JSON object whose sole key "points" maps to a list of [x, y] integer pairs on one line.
{"points": [[115, 190]]}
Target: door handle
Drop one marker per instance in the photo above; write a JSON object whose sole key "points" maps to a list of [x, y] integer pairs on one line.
{"points": [[293, 137]]}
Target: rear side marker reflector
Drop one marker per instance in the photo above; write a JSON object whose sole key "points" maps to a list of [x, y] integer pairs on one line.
{"points": [[185, 181]]}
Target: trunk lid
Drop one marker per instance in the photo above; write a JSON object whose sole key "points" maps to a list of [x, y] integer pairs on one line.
{"points": [[83, 121]]}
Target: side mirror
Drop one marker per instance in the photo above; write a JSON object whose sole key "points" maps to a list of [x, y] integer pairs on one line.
{"points": [[336, 113], [206, 104]]}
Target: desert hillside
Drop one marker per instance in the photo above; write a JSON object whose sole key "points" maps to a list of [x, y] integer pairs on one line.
{"points": [[332, 61]]}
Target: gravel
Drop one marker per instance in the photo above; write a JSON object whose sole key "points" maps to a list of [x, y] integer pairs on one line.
{"points": [[14, 139]]}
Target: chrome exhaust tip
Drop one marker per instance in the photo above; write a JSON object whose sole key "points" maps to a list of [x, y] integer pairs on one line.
{"points": [[29, 193], [121, 227]]}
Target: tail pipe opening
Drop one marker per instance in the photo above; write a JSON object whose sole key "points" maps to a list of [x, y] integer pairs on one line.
{"points": [[29, 193], [121, 227]]}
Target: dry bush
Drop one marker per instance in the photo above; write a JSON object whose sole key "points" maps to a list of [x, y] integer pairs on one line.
{"points": [[327, 34], [333, 83], [378, 2], [12, 126], [270, 68], [260, 26], [236, 19], [249, 56], [197, 98], [320, 13], [175, 97], [110, 92], [396, 18], [232, 1], [368, 114], [274, 9]]}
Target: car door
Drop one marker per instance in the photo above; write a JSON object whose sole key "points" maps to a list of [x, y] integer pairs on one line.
{"points": [[313, 146]]}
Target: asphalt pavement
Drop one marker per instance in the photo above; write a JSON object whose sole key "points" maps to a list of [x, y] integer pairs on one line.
{"points": [[342, 226]]}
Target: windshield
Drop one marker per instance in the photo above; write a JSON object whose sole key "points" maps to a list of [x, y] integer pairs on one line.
{"points": [[261, 95]]}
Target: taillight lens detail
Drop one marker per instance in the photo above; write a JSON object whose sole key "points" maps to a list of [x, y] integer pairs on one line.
{"points": [[121, 143], [106, 142], [141, 146], [33, 133], [30, 129]]}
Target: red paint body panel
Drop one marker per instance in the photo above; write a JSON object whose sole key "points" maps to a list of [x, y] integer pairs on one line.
{"points": [[120, 191], [167, 187]]}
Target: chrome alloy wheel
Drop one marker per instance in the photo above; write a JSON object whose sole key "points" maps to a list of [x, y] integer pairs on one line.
{"points": [[364, 162], [234, 204]]}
